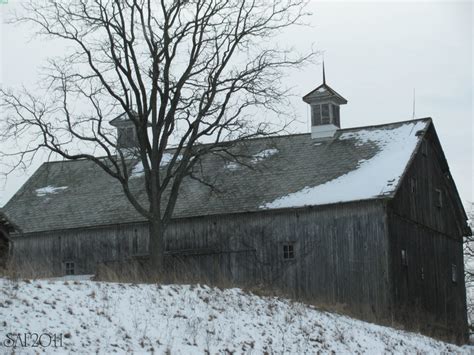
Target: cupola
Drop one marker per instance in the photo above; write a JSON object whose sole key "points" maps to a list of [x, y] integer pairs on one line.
{"points": [[126, 132], [325, 111]]}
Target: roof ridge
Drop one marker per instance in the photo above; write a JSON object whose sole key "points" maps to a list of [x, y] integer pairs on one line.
{"points": [[387, 124], [273, 137]]}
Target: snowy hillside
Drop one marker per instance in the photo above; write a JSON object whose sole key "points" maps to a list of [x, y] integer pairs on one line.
{"points": [[182, 319]]}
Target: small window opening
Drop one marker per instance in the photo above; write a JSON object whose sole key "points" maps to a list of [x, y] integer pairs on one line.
{"points": [[439, 198], [288, 251], [422, 273], [126, 136], [321, 114], [454, 273], [316, 115], [325, 118], [413, 185], [69, 267], [335, 115], [404, 257]]}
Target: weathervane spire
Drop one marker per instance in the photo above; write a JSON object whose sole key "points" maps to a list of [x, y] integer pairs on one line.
{"points": [[324, 74]]}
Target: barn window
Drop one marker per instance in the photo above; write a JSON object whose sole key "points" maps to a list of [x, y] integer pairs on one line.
{"points": [[321, 114], [454, 273], [335, 115], [422, 273], [126, 136], [439, 198], [69, 267], [325, 118], [288, 251], [404, 258], [316, 113]]}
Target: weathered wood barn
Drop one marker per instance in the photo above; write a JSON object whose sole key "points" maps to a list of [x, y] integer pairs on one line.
{"points": [[367, 218]]}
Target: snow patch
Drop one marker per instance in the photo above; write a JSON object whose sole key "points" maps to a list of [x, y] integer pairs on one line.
{"points": [[264, 154], [44, 191], [73, 278], [232, 165], [138, 169], [372, 177], [167, 157]]}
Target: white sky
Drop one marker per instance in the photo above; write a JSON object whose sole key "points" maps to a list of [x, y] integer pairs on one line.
{"points": [[376, 53]]}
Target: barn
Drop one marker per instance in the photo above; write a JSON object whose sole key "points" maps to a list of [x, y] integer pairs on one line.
{"points": [[366, 218]]}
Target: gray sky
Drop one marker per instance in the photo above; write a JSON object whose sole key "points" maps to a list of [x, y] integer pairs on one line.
{"points": [[376, 53]]}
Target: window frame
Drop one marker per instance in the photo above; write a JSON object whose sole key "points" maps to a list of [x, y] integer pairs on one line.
{"points": [[288, 251], [316, 121], [127, 136], [454, 273], [413, 185], [69, 267], [326, 114], [404, 257], [336, 115], [439, 198], [317, 117]]}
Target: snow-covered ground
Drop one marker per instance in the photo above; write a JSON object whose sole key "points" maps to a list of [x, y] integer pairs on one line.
{"points": [[93, 317]]}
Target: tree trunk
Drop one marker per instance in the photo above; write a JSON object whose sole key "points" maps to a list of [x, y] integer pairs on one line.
{"points": [[156, 250]]}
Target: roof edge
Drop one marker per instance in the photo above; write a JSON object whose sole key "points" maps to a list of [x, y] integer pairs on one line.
{"points": [[271, 137], [269, 210], [413, 154]]}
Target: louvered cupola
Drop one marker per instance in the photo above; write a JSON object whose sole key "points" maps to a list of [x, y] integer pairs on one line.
{"points": [[325, 110], [126, 132]]}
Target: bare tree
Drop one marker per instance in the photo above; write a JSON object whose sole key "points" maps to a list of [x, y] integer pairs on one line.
{"points": [[184, 72]]}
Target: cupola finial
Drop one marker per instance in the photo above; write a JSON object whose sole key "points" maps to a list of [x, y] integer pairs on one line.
{"points": [[324, 74]]}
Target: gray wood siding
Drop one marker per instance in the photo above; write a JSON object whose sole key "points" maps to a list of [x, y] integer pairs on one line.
{"points": [[423, 291], [340, 252], [430, 172], [432, 237], [45, 253]]}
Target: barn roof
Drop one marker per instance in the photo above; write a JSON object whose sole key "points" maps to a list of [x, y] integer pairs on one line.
{"points": [[276, 172]]}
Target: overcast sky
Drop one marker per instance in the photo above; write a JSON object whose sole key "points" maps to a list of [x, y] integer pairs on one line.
{"points": [[376, 53]]}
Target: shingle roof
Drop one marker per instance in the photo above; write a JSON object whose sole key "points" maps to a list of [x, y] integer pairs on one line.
{"points": [[286, 171], [323, 92]]}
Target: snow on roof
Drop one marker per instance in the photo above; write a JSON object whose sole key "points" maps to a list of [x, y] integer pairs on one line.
{"points": [[266, 153], [43, 191], [138, 170], [371, 178], [232, 165]]}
